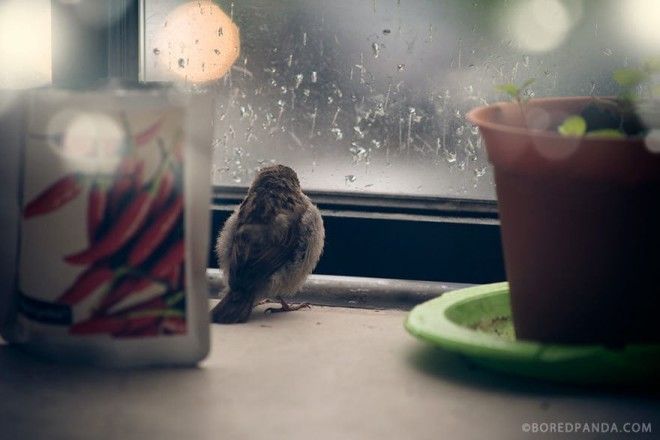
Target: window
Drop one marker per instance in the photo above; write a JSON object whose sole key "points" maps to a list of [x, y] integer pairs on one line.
{"points": [[370, 96], [365, 99]]}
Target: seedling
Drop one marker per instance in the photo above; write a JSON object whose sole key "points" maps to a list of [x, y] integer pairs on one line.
{"points": [[609, 118]]}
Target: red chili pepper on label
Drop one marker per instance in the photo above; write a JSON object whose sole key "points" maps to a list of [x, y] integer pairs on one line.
{"points": [[128, 176], [164, 191], [155, 233], [138, 175], [120, 232], [123, 289], [86, 283], [148, 134], [175, 277], [110, 324], [96, 203], [172, 258], [58, 194], [146, 326], [102, 324], [151, 304]]}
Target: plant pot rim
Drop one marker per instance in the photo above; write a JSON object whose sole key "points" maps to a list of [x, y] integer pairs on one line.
{"points": [[482, 116]]}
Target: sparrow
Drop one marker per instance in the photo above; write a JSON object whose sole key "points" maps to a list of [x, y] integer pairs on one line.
{"points": [[268, 246]]}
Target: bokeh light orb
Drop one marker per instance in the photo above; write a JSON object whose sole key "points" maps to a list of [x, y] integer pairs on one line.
{"points": [[198, 42], [641, 21], [539, 25], [25, 43]]}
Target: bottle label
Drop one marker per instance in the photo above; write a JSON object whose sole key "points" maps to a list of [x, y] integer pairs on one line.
{"points": [[102, 229]]}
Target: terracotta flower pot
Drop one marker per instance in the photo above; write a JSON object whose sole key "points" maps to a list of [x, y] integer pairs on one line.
{"points": [[580, 223]]}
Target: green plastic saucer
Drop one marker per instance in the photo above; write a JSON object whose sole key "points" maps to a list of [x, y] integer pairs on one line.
{"points": [[476, 322]]}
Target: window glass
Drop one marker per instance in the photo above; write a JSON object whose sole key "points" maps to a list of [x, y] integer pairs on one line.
{"points": [[370, 95]]}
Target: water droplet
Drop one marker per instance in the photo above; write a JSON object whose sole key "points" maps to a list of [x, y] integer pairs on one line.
{"points": [[217, 51], [298, 80], [182, 63], [460, 130], [474, 130], [358, 132], [337, 133], [376, 144], [479, 172], [359, 153], [156, 51], [387, 31], [314, 76], [526, 60], [304, 38], [608, 52], [220, 32], [375, 47], [350, 178], [401, 67], [450, 157]]}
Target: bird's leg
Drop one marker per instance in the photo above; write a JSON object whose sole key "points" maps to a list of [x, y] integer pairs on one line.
{"points": [[286, 307]]}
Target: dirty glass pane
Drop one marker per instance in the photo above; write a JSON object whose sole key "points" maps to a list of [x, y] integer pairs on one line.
{"points": [[370, 95]]}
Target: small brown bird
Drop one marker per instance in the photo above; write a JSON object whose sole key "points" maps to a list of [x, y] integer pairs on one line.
{"points": [[268, 245]]}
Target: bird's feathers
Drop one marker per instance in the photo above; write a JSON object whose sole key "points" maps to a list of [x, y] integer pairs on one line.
{"points": [[269, 245]]}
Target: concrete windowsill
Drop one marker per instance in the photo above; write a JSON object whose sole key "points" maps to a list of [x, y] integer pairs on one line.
{"points": [[321, 373]]}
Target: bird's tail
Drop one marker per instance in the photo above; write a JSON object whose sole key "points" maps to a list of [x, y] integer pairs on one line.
{"points": [[234, 307]]}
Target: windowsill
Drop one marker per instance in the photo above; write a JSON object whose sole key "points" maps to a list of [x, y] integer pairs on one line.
{"points": [[324, 372], [357, 292]]}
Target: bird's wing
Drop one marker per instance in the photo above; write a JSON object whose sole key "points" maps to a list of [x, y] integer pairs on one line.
{"points": [[259, 250]]}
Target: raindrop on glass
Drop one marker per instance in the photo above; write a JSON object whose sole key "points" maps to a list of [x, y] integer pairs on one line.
{"points": [[375, 47], [337, 133], [298, 80]]}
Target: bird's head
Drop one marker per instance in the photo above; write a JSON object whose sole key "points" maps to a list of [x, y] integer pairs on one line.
{"points": [[276, 177]]}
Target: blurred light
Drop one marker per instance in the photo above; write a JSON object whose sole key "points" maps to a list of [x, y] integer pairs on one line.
{"points": [[198, 42], [25, 43], [91, 141], [540, 25], [641, 19]]}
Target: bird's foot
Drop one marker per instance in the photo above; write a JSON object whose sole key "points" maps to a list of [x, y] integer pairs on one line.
{"points": [[286, 307]]}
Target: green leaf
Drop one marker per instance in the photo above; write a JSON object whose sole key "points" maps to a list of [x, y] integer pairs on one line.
{"points": [[609, 133], [573, 126], [629, 77], [510, 89]]}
